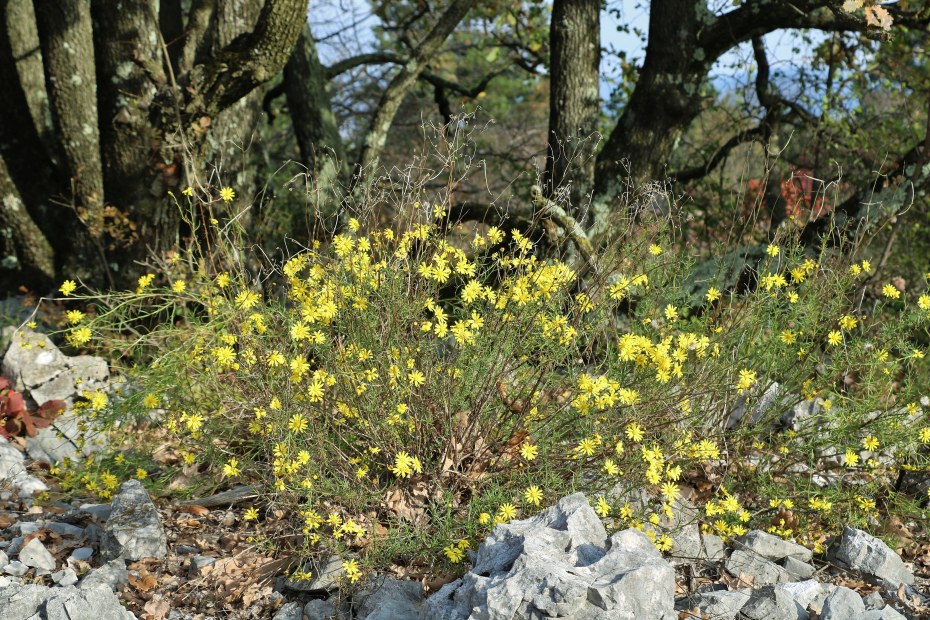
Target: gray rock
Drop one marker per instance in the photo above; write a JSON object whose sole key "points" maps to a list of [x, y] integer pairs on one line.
{"points": [[290, 611], [774, 548], [319, 609], [98, 512], [771, 603], [689, 544], [326, 577], [858, 551], [842, 604], [134, 529], [34, 602], [4, 558], [110, 575], [796, 567], [803, 415], [65, 577], [82, 554], [200, 565], [885, 613], [35, 555], [187, 550], [805, 593], [560, 564], [64, 439], [16, 568], [384, 598], [82, 372], [64, 529], [717, 604], [13, 469], [775, 396], [873, 600], [763, 572], [31, 359]]}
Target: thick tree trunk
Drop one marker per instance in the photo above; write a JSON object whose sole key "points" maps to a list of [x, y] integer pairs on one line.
{"points": [[25, 253], [665, 100], [574, 100], [66, 36], [315, 126]]}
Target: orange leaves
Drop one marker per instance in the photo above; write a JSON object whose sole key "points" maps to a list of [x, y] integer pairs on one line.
{"points": [[875, 14]]}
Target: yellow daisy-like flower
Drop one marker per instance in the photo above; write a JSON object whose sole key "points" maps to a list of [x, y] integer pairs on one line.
{"points": [[602, 508], [529, 451], [251, 514], [67, 287], [231, 468], [506, 512], [533, 495], [834, 338], [890, 291], [227, 194], [870, 443], [712, 294], [655, 250], [772, 250]]}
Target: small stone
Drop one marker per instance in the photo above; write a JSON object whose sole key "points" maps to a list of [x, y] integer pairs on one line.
{"points": [[718, 604], [771, 603], [4, 558], [16, 568], [200, 565], [384, 598], [290, 611], [134, 530], [82, 554], [796, 567], [804, 592], [326, 577], [885, 613], [774, 548], [110, 575], [187, 549], [65, 577], [873, 600], [319, 609], [35, 555], [763, 572], [64, 529], [842, 603], [98, 512]]}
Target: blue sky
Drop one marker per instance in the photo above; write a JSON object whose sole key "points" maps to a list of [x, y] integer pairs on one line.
{"points": [[344, 28]]}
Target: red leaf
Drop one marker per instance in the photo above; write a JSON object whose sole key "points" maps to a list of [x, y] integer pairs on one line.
{"points": [[50, 409]]}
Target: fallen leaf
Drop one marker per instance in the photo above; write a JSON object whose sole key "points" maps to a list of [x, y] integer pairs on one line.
{"points": [[197, 511], [144, 582], [157, 608]]}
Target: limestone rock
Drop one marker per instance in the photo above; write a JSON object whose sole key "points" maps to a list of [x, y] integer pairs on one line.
{"points": [[717, 604], [134, 530], [773, 548], [771, 603], [34, 602], [13, 469], [289, 611], [111, 574], [31, 359], [843, 603], [35, 555], [384, 598], [869, 556], [561, 564], [763, 572]]}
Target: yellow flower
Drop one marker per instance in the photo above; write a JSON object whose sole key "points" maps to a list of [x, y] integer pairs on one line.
{"points": [[772, 250], [79, 336], [670, 491], [890, 291], [586, 447], [188, 191], [634, 432], [298, 423], [533, 495], [484, 518], [924, 302], [506, 512], [834, 338], [712, 294], [179, 286], [227, 194], [141, 474], [655, 250], [67, 287], [789, 337], [870, 443], [925, 435], [602, 508], [231, 468], [351, 570], [251, 514], [528, 451], [747, 378], [74, 316], [671, 313], [416, 378]]}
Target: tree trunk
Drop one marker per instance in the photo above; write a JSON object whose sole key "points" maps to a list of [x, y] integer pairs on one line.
{"points": [[315, 126], [574, 100], [667, 97], [25, 253], [66, 37]]}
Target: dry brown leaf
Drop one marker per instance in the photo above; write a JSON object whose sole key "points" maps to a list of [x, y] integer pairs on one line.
{"points": [[6, 520], [197, 511], [879, 17], [157, 608], [144, 582]]}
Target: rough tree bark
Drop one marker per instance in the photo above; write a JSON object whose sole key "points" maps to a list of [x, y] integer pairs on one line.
{"points": [[65, 34], [574, 100], [315, 126], [24, 250]]}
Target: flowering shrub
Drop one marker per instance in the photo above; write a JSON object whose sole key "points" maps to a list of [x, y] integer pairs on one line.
{"points": [[402, 392]]}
